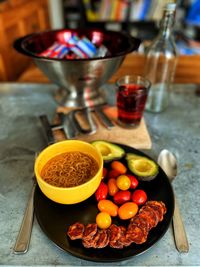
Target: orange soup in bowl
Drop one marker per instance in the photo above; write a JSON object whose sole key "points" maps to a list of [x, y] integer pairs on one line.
{"points": [[69, 169]]}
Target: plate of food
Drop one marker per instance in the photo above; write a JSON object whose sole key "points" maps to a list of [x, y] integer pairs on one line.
{"points": [[123, 218]]}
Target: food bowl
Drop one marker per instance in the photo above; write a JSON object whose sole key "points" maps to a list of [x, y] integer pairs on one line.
{"points": [[74, 194], [79, 79]]}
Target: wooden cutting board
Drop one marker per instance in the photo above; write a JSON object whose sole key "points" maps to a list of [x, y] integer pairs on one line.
{"points": [[136, 137]]}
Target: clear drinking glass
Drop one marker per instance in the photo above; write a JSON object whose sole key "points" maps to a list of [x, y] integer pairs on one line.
{"points": [[131, 98]]}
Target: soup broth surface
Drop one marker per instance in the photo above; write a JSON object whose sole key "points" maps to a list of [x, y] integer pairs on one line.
{"points": [[69, 169]]}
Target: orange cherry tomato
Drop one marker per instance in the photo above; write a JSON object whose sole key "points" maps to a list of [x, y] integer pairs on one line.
{"points": [[108, 206], [103, 220], [112, 187], [127, 210], [118, 166], [123, 182]]}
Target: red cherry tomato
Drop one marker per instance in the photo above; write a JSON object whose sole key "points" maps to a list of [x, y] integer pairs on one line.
{"points": [[121, 197], [113, 174], [139, 197], [101, 192], [134, 181], [105, 172]]}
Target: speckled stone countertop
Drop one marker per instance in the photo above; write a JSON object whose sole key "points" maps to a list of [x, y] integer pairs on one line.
{"points": [[176, 129]]}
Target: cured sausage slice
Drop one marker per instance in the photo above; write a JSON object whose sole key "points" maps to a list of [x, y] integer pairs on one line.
{"points": [[141, 222], [115, 234], [88, 243], [103, 239], [124, 240], [76, 231], [148, 214], [90, 231], [119, 236], [159, 207], [135, 234]]}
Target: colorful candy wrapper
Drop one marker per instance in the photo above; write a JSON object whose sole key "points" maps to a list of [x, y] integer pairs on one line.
{"points": [[49, 50], [74, 47], [84, 48], [72, 42], [57, 50], [102, 51], [60, 52]]}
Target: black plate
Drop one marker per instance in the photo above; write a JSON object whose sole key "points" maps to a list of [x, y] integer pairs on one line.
{"points": [[54, 219]]}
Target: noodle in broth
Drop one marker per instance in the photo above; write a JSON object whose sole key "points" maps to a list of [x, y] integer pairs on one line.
{"points": [[69, 169]]}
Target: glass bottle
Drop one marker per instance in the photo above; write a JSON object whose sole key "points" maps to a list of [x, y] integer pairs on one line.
{"points": [[161, 57]]}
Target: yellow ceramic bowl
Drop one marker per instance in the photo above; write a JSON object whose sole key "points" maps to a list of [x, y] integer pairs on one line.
{"points": [[69, 195]]}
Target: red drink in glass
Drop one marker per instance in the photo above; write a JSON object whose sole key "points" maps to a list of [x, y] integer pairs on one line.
{"points": [[131, 99]]}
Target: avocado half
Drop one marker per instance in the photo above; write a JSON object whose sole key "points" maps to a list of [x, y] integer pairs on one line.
{"points": [[144, 168], [109, 150]]}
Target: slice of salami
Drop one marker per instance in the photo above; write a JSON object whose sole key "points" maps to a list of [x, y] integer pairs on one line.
{"points": [[158, 209], [115, 235], [135, 234], [116, 244], [150, 215], [156, 215], [88, 243], [103, 239], [123, 238], [90, 231], [76, 231], [141, 222], [114, 232], [159, 206]]}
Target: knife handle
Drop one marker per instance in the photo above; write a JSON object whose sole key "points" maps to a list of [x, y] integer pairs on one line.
{"points": [[179, 230], [23, 238]]}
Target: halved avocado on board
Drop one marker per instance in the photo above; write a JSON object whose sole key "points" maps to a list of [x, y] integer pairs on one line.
{"points": [[144, 168], [109, 150]]}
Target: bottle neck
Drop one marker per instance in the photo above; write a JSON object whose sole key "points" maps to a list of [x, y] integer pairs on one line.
{"points": [[167, 24]]}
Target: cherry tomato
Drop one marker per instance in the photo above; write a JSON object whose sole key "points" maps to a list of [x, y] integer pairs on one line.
{"points": [[112, 187], [103, 220], [108, 206], [101, 192], [123, 182], [134, 181], [105, 172], [118, 166], [127, 210], [121, 197], [113, 174], [139, 197]]}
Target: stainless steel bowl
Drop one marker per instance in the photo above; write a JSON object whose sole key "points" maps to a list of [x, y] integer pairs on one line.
{"points": [[80, 79]]}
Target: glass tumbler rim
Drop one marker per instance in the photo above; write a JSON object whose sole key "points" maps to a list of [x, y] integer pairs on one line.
{"points": [[133, 79]]}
